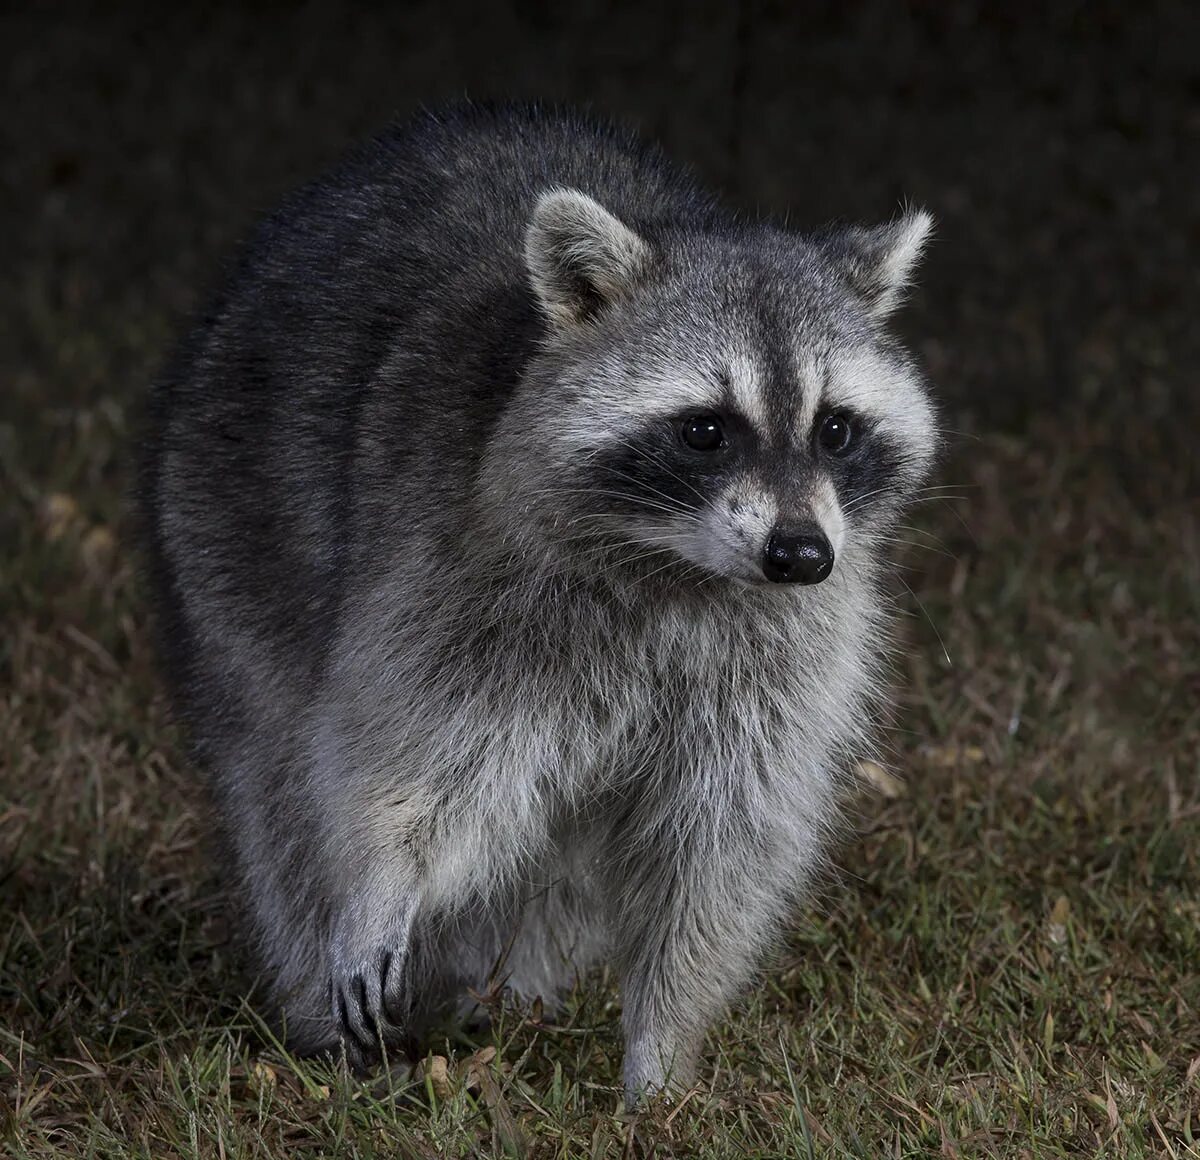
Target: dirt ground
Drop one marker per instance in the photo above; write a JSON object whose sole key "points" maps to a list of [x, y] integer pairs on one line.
{"points": [[1006, 963]]}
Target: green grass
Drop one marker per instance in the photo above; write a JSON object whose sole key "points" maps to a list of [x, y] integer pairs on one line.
{"points": [[1004, 963]]}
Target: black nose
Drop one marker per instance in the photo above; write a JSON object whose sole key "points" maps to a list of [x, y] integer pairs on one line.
{"points": [[804, 558]]}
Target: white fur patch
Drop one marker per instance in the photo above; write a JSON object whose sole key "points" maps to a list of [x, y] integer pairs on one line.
{"points": [[828, 513], [890, 395], [909, 236], [808, 397], [746, 388], [617, 405], [728, 536]]}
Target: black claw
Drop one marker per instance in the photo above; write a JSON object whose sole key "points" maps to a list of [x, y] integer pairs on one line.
{"points": [[342, 1014], [355, 1038], [368, 1016], [392, 1003]]}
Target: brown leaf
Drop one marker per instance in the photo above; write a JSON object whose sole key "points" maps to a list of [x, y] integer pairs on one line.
{"points": [[886, 784], [505, 1123], [264, 1074], [57, 513], [436, 1071], [952, 756], [1056, 926], [473, 1068], [98, 550], [1110, 1104]]}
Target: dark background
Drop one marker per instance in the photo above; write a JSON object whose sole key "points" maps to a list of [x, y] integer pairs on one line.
{"points": [[1056, 144]]}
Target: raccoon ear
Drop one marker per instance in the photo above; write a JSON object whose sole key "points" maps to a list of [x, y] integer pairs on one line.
{"points": [[580, 257], [878, 261]]}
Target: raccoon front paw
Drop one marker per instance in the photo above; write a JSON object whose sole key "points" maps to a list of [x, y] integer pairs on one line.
{"points": [[371, 1006], [370, 990]]}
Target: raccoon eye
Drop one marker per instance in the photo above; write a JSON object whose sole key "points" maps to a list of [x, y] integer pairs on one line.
{"points": [[703, 432], [835, 434]]}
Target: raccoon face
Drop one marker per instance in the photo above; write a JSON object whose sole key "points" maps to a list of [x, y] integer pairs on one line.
{"points": [[728, 404]]}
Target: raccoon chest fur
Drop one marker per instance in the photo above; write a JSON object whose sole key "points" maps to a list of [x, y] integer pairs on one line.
{"points": [[540, 727]]}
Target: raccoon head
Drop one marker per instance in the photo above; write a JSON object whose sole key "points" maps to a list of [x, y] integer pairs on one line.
{"points": [[724, 399]]}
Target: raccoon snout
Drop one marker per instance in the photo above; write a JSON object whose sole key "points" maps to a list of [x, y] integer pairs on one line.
{"points": [[804, 557]]}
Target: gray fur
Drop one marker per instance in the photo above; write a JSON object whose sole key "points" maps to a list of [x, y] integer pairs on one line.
{"points": [[478, 654]]}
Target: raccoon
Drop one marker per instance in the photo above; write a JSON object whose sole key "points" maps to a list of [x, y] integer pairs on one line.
{"points": [[518, 518]]}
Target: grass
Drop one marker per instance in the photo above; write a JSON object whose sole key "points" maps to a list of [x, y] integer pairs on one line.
{"points": [[1004, 964]]}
